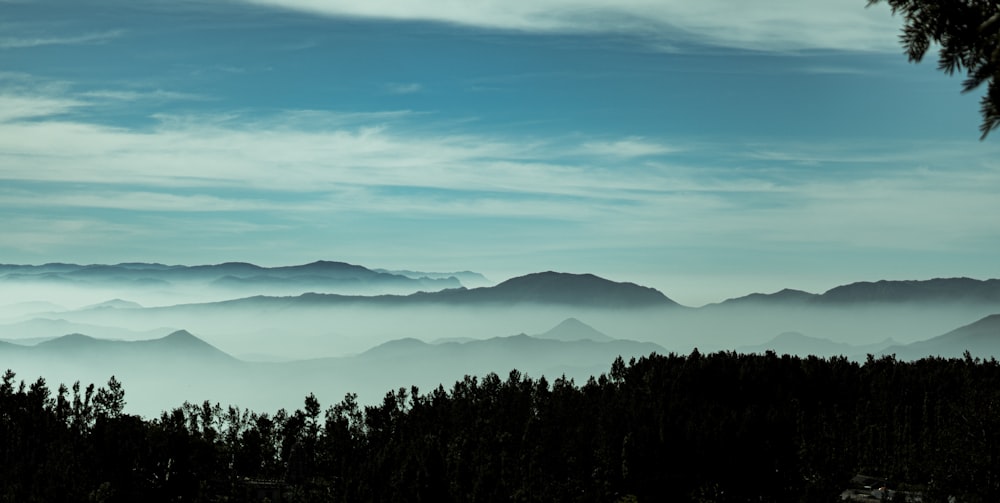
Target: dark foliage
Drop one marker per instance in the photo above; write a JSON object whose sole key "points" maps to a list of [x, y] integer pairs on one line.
{"points": [[968, 33], [718, 427]]}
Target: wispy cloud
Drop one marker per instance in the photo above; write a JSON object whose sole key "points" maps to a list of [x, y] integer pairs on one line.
{"points": [[627, 147], [154, 95], [751, 24], [18, 107], [399, 88], [632, 191], [37, 41]]}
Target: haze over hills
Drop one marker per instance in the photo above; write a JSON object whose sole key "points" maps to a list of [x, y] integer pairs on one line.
{"points": [[951, 290], [572, 329], [376, 341], [546, 288], [794, 343], [50, 328], [355, 280], [319, 276], [178, 346], [469, 279], [181, 366], [283, 327], [980, 339]]}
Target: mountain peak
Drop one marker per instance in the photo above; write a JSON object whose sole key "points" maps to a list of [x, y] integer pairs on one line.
{"points": [[182, 343], [785, 295], [404, 347], [572, 329], [180, 335], [980, 338], [984, 328], [115, 304], [71, 341], [937, 289], [567, 288]]}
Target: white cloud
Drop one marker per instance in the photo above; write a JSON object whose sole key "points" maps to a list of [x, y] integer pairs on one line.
{"points": [[86, 38], [157, 95], [17, 107], [400, 88], [627, 148], [299, 165], [753, 24]]}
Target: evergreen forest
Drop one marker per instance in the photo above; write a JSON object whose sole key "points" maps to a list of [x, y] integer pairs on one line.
{"points": [[700, 427]]}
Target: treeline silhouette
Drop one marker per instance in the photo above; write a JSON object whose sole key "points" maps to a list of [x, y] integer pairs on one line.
{"points": [[717, 427]]}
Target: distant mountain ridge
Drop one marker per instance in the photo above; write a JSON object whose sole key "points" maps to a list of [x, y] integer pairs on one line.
{"points": [[468, 279], [233, 274], [980, 338], [795, 343], [883, 291], [544, 288], [180, 345], [572, 329]]}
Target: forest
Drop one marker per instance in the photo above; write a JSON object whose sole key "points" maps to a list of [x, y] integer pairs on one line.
{"points": [[697, 427]]}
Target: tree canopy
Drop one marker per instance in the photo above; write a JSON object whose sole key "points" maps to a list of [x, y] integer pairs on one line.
{"points": [[968, 34], [720, 427]]}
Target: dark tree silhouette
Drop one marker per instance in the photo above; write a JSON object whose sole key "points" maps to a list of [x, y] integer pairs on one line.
{"points": [[721, 427], [968, 33]]}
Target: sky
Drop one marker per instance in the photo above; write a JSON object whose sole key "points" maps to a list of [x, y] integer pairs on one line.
{"points": [[709, 149]]}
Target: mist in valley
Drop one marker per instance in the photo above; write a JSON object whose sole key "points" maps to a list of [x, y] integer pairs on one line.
{"points": [[266, 346]]}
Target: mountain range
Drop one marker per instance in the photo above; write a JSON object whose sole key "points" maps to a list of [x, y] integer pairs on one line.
{"points": [[320, 275], [544, 288], [980, 339], [180, 366], [795, 343], [951, 290], [353, 280], [177, 347]]}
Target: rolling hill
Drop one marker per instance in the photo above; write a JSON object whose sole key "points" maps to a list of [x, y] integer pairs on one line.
{"points": [[943, 290], [981, 338]]}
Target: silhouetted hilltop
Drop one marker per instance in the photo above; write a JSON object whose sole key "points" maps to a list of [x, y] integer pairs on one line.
{"points": [[177, 346], [787, 296], [9, 348], [404, 347], [795, 343], [559, 288], [938, 289], [520, 351], [236, 274], [115, 304], [468, 278], [884, 291], [50, 328], [183, 344], [981, 338], [546, 288], [572, 329], [73, 342]]}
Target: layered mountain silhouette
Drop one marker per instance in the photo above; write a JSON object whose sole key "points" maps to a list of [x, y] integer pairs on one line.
{"points": [[115, 304], [795, 343], [538, 288], [951, 290], [178, 346], [785, 296], [50, 328], [469, 279], [572, 329], [981, 338], [579, 358], [319, 274], [180, 366]]}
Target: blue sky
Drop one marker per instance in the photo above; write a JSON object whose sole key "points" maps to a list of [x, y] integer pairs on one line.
{"points": [[709, 148]]}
